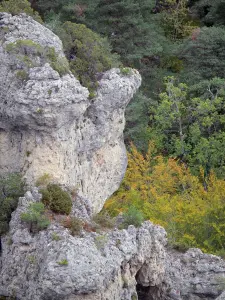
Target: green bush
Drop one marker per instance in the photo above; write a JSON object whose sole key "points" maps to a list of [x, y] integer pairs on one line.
{"points": [[104, 220], [63, 262], [132, 217], [74, 224], [11, 188], [87, 52], [56, 199], [126, 71], [35, 217], [60, 64], [22, 75], [16, 7], [43, 180], [55, 237]]}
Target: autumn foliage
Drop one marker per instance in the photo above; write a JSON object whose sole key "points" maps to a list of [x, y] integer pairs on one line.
{"points": [[168, 194]]}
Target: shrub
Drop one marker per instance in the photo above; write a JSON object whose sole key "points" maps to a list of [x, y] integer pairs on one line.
{"points": [[16, 7], [43, 180], [63, 262], [11, 188], [31, 259], [35, 217], [60, 64], [104, 220], [26, 47], [100, 241], [132, 217], [126, 71], [74, 224], [56, 199], [22, 75], [55, 237], [87, 52]]}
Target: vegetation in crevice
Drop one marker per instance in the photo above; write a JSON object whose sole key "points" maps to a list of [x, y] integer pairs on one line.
{"points": [[28, 54], [11, 188], [35, 217], [56, 199]]}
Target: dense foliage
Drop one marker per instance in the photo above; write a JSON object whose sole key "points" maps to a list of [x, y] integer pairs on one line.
{"points": [[87, 52], [16, 7], [11, 188], [56, 199], [166, 192], [35, 217]]}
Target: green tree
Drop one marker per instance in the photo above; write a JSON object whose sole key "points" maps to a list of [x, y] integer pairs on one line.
{"points": [[204, 55], [16, 7], [87, 52], [175, 19], [125, 24], [210, 12], [191, 121]]}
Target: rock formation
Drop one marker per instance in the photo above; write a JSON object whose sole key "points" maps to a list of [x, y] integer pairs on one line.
{"points": [[194, 275], [98, 266], [110, 265], [48, 124]]}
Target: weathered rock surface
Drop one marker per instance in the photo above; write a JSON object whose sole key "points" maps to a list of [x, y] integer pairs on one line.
{"points": [[49, 125], [194, 275], [221, 297], [111, 265], [100, 266]]}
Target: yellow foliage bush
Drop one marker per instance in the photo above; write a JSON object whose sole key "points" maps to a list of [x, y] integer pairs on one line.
{"points": [[166, 192]]}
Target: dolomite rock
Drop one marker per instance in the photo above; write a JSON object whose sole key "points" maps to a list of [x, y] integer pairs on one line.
{"points": [[49, 125], [100, 266], [221, 297], [111, 265], [194, 275]]}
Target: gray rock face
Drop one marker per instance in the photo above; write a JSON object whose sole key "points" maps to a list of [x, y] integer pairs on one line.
{"points": [[194, 275], [49, 125], [111, 265], [99, 266], [221, 297]]}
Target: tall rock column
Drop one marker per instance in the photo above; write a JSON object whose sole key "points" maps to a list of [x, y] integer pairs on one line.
{"points": [[48, 124]]}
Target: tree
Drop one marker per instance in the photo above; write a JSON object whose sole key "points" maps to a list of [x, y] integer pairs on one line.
{"points": [[88, 53], [124, 22], [210, 12], [166, 193], [204, 55], [11, 188], [16, 7], [191, 122], [175, 19]]}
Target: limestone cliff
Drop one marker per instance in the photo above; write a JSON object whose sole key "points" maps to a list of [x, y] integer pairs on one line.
{"points": [[49, 125]]}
